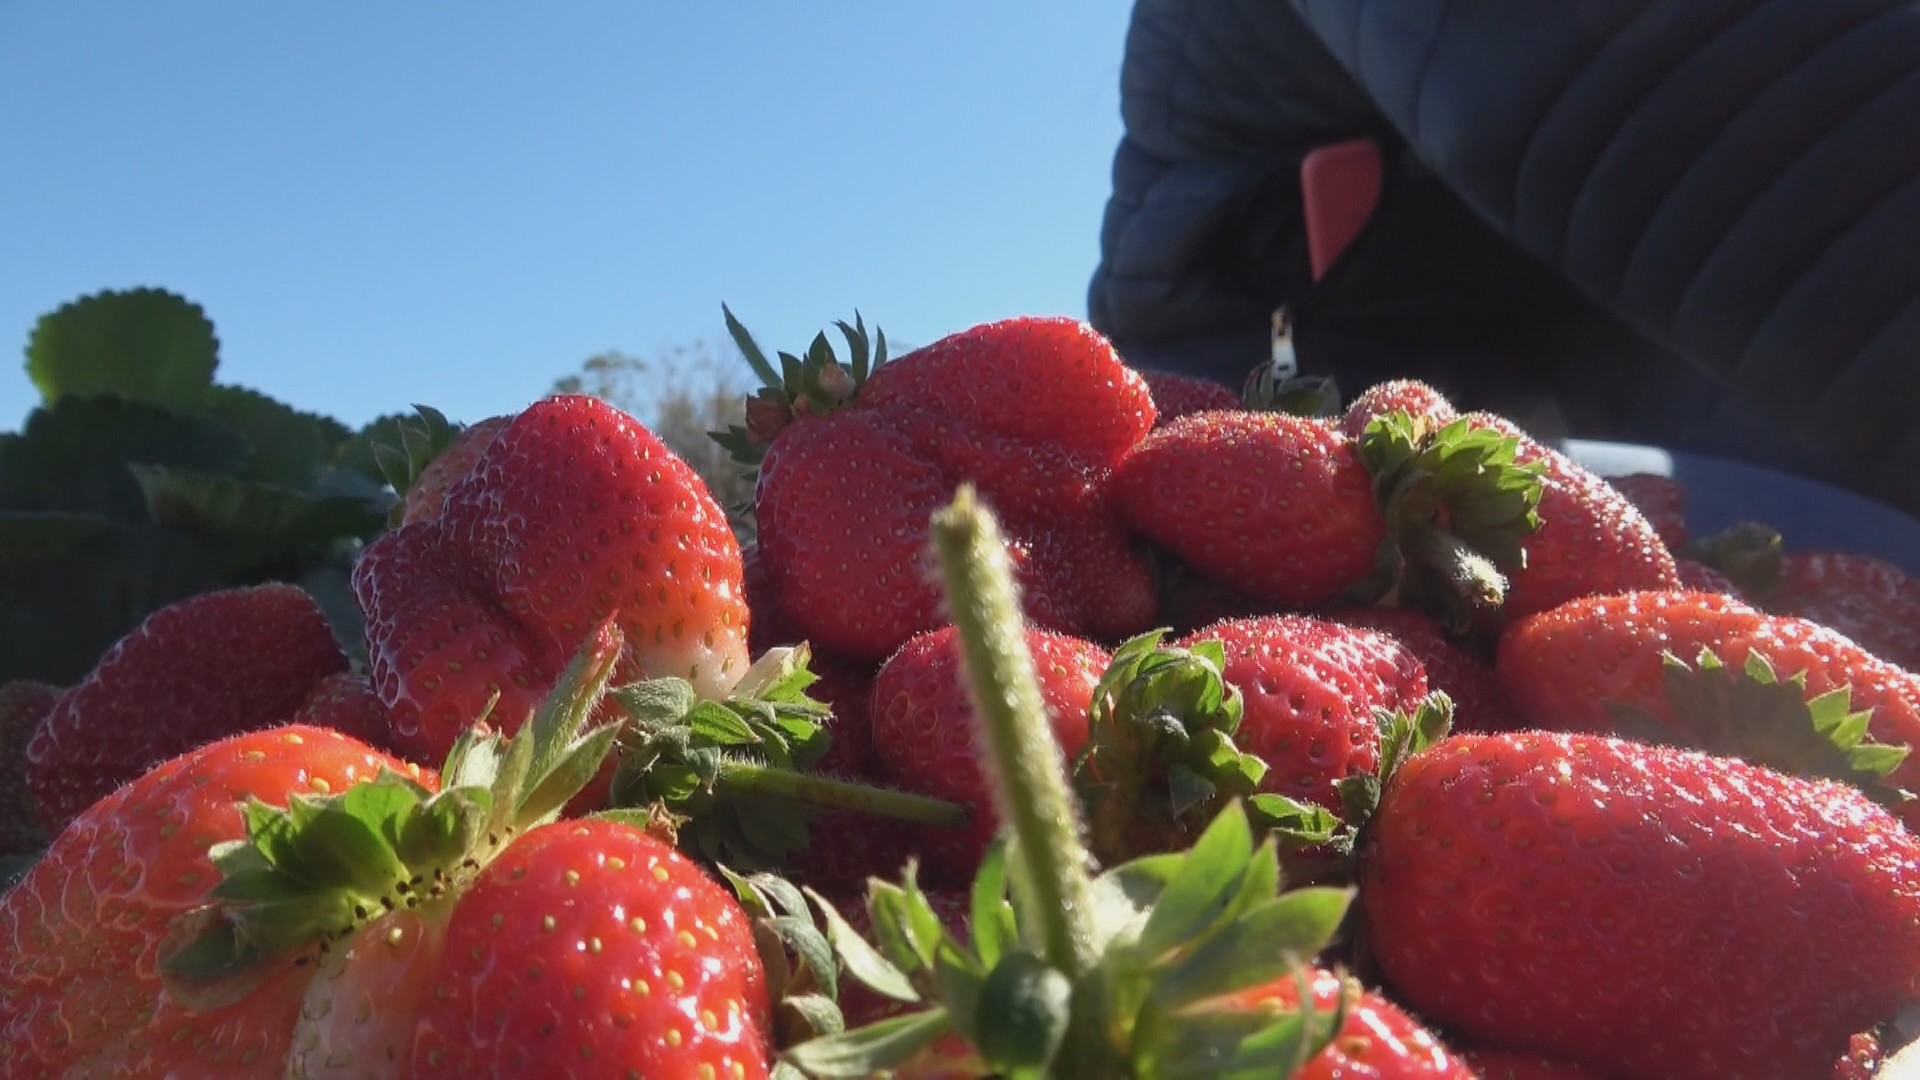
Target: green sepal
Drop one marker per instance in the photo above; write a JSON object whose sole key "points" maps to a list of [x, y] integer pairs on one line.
{"points": [[802, 975], [1271, 937], [809, 384], [679, 751], [1166, 712], [1751, 554], [860, 959], [1459, 508], [1207, 884], [1235, 1043], [322, 865], [873, 1049], [1753, 714], [990, 918], [409, 444]]}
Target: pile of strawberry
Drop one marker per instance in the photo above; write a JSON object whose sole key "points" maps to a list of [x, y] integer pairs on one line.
{"points": [[1402, 744]]}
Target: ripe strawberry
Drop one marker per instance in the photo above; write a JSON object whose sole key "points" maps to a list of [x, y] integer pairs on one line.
{"points": [[846, 847], [1033, 412], [1310, 689], [1591, 539], [1662, 500], [81, 935], [590, 949], [1415, 398], [346, 702], [203, 668], [574, 513], [1506, 1065], [1176, 395], [1696, 576], [924, 738], [428, 491], [23, 705], [1571, 668], [1869, 600], [1276, 504], [1478, 702], [1639, 910], [1377, 1039]]}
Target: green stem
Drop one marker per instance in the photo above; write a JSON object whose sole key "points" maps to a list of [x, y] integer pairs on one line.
{"points": [[1468, 582], [826, 791], [1027, 767]]}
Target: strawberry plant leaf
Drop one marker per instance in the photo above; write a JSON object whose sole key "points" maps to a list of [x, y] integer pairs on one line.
{"points": [[290, 447], [144, 344]]}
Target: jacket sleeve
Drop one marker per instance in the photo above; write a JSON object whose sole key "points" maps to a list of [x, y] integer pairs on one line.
{"points": [[1738, 179]]}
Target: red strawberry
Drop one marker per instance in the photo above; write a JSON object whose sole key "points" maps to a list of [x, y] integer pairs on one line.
{"points": [[1310, 688], [1591, 539], [1278, 505], [1415, 398], [923, 730], [1478, 702], [574, 513], [1377, 1040], [197, 670], [1176, 395], [23, 705], [1639, 910], [347, 703], [81, 935], [1033, 412], [1566, 668], [1505, 1065], [428, 492], [1662, 500], [1869, 600], [589, 949]]}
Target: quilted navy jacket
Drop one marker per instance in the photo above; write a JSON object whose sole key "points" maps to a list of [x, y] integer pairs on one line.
{"points": [[1691, 222]]}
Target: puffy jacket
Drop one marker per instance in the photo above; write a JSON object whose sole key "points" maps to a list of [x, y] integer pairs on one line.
{"points": [[1688, 222]]}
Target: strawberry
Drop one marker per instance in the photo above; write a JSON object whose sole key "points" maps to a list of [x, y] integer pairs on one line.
{"points": [[83, 933], [1377, 1039], [428, 491], [1507, 1065], [346, 702], [1310, 688], [845, 847], [852, 462], [590, 949], [1639, 910], [23, 705], [1278, 505], [197, 670], [574, 513], [1663, 502], [1176, 395], [1417, 399], [1575, 668], [1696, 576], [1869, 600], [1591, 538], [1478, 702], [923, 729]]}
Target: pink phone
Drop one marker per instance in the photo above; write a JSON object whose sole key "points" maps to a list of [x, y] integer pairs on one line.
{"points": [[1339, 189]]}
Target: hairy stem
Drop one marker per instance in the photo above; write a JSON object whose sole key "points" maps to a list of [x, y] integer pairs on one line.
{"points": [[827, 791]]}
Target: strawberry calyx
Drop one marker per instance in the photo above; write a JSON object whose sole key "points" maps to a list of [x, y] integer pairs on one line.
{"points": [[1062, 973], [792, 386], [731, 774], [1753, 714], [1164, 716], [1750, 554], [312, 873], [1176, 936], [421, 438], [1459, 507], [803, 978]]}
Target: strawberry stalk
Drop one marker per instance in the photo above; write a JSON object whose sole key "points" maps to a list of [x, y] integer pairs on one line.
{"points": [[1025, 764]]}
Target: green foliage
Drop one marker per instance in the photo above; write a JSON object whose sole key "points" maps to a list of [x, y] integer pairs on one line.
{"points": [[139, 481]]}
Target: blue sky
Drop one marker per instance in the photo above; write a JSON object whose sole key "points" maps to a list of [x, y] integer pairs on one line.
{"points": [[456, 203]]}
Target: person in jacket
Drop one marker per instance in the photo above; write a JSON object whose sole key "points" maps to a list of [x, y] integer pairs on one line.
{"points": [[1690, 223]]}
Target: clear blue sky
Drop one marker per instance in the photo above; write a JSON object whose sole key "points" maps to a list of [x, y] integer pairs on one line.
{"points": [[382, 204]]}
